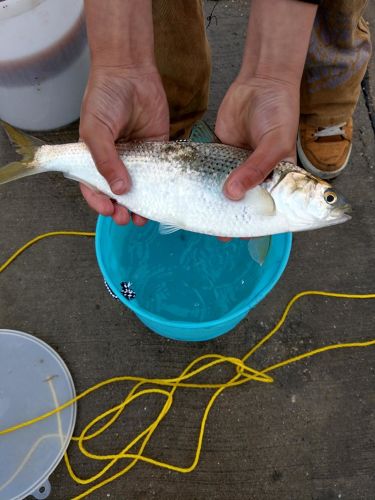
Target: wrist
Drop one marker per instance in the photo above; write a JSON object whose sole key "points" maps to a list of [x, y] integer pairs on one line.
{"points": [[277, 41], [126, 69]]}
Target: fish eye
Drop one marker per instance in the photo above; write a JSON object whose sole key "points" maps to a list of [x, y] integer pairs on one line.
{"points": [[330, 197]]}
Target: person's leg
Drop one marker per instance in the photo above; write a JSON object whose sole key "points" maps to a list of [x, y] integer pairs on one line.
{"points": [[339, 53], [183, 58]]}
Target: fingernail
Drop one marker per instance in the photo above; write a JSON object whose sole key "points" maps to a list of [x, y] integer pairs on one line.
{"points": [[118, 186], [235, 190]]}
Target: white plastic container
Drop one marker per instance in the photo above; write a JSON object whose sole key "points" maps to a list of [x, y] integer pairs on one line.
{"points": [[44, 62]]}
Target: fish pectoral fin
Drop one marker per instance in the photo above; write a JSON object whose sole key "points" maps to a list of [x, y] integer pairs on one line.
{"points": [[259, 248], [168, 228], [260, 201]]}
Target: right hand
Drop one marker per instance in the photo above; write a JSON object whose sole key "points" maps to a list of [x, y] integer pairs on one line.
{"points": [[260, 114], [127, 103]]}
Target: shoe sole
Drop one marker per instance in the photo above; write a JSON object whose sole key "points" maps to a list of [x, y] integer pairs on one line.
{"points": [[307, 165]]}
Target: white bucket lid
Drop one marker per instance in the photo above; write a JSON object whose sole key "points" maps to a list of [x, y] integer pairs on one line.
{"points": [[29, 27], [33, 381]]}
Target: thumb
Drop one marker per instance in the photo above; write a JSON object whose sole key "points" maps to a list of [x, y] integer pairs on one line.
{"points": [[101, 144], [256, 168]]}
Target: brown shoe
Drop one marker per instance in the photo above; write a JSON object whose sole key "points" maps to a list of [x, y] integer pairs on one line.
{"points": [[325, 151]]}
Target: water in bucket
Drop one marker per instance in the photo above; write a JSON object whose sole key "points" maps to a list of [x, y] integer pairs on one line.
{"points": [[186, 276]]}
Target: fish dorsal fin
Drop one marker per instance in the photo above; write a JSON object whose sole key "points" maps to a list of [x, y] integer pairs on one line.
{"points": [[168, 228], [203, 133], [259, 248], [260, 201]]}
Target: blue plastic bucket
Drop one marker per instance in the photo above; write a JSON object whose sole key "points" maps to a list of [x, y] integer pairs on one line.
{"points": [[120, 251]]}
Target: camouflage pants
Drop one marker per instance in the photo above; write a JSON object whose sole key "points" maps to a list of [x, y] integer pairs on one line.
{"points": [[338, 55]]}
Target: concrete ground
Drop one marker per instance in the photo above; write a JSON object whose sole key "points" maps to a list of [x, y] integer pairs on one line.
{"points": [[310, 435]]}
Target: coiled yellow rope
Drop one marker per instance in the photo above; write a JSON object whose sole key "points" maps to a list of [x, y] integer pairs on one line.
{"points": [[134, 451]]}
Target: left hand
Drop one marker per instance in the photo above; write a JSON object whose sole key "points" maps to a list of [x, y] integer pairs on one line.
{"points": [[120, 103]]}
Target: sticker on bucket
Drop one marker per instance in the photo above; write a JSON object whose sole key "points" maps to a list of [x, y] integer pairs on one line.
{"points": [[126, 290]]}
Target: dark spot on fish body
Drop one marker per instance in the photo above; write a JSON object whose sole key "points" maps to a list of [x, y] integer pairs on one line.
{"points": [[169, 148], [185, 154]]}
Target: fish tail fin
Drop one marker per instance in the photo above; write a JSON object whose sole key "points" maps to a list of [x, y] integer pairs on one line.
{"points": [[26, 146]]}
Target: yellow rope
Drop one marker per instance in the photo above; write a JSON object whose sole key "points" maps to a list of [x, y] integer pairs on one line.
{"points": [[134, 450], [38, 238]]}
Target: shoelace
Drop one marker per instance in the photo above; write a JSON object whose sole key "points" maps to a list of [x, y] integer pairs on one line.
{"points": [[331, 131]]}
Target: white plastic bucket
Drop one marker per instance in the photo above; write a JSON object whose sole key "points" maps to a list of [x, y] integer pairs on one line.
{"points": [[44, 62]]}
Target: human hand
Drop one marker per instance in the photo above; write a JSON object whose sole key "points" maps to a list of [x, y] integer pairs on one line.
{"points": [[262, 115], [127, 103], [261, 108]]}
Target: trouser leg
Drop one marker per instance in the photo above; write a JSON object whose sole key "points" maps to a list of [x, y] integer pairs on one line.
{"points": [[338, 56], [183, 59]]}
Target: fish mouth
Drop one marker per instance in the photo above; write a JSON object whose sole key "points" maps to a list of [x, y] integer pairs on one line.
{"points": [[340, 218], [342, 212], [347, 209], [345, 217]]}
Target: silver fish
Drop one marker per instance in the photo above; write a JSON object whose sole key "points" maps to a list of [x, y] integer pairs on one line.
{"points": [[180, 185]]}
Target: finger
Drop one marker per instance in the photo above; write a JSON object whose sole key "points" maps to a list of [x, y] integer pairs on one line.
{"points": [[255, 169], [121, 215], [100, 142], [138, 220], [97, 201], [223, 239]]}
